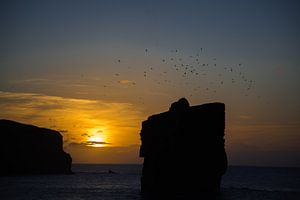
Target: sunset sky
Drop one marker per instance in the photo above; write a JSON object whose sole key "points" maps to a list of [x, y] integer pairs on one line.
{"points": [[94, 70]]}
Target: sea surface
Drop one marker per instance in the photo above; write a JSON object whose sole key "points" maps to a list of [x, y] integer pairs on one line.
{"points": [[94, 182]]}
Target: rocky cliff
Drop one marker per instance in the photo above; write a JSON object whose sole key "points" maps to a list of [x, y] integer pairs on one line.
{"points": [[27, 149], [183, 151]]}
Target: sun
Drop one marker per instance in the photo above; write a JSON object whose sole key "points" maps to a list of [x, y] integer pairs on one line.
{"points": [[96, 139]]}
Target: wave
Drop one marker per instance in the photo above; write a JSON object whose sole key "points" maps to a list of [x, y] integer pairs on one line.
{"points": [[233, 193], [263, 190]]}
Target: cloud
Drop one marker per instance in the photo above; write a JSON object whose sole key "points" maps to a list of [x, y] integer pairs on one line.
{"points": [[32, 81], [246, 117], [38, 81], [91, 144], [127, 82], [88, 143], [95, 142]]}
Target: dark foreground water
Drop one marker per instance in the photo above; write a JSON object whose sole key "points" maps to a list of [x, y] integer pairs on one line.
{"points": [[93, 182]]}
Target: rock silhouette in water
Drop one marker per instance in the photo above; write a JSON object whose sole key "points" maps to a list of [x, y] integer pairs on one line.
{"points": [[27, 149], [183, 151]]}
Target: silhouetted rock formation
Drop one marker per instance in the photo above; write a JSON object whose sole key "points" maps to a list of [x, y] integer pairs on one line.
{"points": [[183, 151], [27, 149]]}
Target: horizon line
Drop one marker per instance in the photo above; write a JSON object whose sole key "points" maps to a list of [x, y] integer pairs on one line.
{"points": [[262, 166]]}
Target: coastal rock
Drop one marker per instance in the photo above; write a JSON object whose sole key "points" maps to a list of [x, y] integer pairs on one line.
{"points": [[183, 151], [27, 149]]}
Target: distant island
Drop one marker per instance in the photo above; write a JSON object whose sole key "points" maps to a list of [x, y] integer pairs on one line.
{"points": [[183, 151], [27, 149]]}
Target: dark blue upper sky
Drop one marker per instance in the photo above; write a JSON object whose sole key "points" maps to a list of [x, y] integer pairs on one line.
{"points": [[187, 24]]}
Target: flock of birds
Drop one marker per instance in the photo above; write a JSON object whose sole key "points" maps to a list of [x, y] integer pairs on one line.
{"points": [[196, 71]]}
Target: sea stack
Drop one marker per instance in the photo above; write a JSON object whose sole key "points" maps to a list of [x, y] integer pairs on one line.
{"points": [[27, 149], [183, 151]]}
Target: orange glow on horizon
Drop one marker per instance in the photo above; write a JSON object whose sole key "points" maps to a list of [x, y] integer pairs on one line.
{"points": [[80, 121]]}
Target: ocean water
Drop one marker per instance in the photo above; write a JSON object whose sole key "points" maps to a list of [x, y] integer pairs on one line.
{"points": [[93, 182]]}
